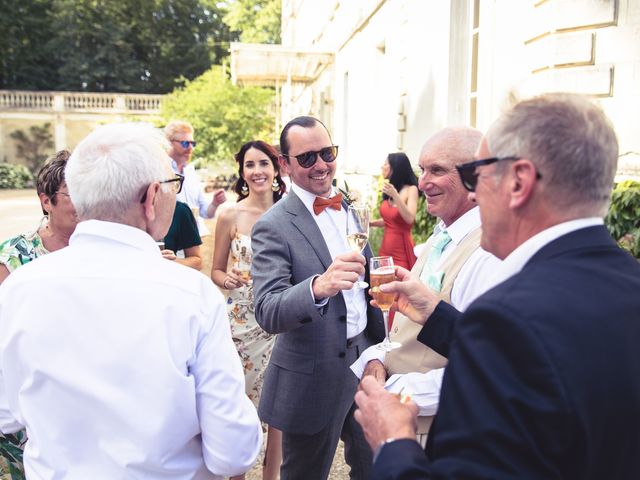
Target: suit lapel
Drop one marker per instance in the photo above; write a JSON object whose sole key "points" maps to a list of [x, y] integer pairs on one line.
{"points": [[308, 227]]}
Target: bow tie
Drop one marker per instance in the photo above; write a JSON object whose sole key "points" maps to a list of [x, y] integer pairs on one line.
{"points": [[319, 204]]}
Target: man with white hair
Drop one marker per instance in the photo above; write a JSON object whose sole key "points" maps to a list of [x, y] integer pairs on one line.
{"points": [[453, 265], [119, 363]]}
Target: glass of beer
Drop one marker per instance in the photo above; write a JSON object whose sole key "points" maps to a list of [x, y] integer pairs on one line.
{"points": [[358, 232], [381, 271]]}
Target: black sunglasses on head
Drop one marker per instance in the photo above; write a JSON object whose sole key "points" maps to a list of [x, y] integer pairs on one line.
{"points": [[468, 174], [179, 179], [309, 159]]}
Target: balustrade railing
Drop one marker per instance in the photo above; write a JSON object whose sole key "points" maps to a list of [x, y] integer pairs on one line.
{"points": [[81, 102]]}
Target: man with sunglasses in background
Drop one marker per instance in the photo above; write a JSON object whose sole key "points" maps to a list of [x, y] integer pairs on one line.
{"points": [[180, 136], [303, 278], [119, 363], [543, 379]]}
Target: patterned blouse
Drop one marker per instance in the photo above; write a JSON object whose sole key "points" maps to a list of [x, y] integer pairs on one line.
{"points": [[21, 249]]}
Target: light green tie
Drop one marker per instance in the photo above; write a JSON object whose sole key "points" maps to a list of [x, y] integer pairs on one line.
{"points": [[432, 278]]}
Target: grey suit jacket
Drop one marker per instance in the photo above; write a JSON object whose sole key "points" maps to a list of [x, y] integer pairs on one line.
{"points": [[307, 366]]}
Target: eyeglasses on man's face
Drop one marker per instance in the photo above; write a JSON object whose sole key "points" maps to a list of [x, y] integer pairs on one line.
{"points": [[176, 182], [185, 143], [468, 174], [309, 159]]}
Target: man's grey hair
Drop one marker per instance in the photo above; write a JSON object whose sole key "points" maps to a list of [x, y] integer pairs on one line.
{"points": [[572, 144], [110, 169]]}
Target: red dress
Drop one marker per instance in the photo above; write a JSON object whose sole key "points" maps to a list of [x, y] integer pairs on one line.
{"points": [[397, 241]]}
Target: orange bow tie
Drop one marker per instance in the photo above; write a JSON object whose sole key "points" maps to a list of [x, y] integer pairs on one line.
{"points": [[319, 204]]}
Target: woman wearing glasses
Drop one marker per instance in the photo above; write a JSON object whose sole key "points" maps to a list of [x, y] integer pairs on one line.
{"points": [[258, 187], [56, 227], [398, 210]]}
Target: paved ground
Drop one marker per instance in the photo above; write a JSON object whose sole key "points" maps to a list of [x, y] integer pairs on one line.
{"points": [[20, 212]]}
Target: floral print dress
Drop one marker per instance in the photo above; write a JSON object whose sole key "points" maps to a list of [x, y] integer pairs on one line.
{"points": [[21, 249], [254, 345], [14, 253]]}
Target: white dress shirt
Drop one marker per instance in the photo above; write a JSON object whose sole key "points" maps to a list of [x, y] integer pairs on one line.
{"points": [[192, 194], [333, 226], [474, 278], [120, 365]]}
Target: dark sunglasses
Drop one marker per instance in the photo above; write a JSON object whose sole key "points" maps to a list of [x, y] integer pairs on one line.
{"points": [[468, 174], [186, 143], [309, 159], [179, 179]]}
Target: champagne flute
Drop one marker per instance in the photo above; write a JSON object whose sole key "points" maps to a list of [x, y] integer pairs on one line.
{"points": [[243, 267], [358, 232], [382, 272]]}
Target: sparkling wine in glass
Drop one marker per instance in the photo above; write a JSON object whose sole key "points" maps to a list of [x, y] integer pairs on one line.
{"points": [[381, 271], [358, 231], [243, 267]]}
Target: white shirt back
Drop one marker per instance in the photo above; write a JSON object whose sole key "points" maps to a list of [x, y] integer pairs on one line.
{"points": [[121, 365]]}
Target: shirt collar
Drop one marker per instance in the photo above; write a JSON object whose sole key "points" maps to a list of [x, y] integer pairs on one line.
{"points": [[188, 166], [306, 197], [459, 229], [517, 259], [117, 232]]}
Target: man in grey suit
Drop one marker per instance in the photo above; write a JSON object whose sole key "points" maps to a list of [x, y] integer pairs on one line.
{"points": [[303, 279]]}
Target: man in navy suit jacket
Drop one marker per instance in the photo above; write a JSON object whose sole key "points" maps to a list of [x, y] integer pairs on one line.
{"points": [[544, 369]]}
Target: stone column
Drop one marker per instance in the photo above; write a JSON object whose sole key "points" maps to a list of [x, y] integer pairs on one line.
{"points": [[60, 130]]}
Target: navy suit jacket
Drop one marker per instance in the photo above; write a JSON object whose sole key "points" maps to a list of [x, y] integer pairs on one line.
{"points": [[543, 378]]}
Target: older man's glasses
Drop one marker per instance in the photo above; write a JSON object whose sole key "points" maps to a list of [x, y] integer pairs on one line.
{"points": [[309, 159], [176, 182], [185, 143], [468, 174]]}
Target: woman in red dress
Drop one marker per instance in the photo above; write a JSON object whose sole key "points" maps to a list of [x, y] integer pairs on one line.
{"points": [[398, 210]]}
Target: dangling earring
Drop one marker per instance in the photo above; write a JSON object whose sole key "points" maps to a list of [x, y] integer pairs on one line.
{"points": [[244, 190], [275, 186]]}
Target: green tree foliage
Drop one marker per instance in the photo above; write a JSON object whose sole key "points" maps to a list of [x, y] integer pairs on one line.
{"points": [[104, 46], [15, 176], [223, 115], [25, 29], [34, 146], [623, 219], [258, 21]]}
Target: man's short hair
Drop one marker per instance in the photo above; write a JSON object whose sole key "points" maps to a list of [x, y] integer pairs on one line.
{"points": [[175, 127], [111, 167], [51, 176], [303, 121], [572, 144]]}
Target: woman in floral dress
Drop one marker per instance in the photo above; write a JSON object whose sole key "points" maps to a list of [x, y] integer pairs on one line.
{"points": [[258, 187], [56, 227]]}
